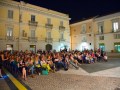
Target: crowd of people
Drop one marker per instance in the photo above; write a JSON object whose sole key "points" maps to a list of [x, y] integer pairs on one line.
{"points": [[27, 62]]}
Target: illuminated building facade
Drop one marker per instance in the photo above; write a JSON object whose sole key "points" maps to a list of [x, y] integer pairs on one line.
{"points": [[28, 27], [98, 32], [82, 35], [107, 32]]}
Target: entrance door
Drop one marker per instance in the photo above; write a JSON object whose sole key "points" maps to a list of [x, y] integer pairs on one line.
{"points": [[33, 48], [48, 47], [9, 47], [102, 46], [83, 48]]}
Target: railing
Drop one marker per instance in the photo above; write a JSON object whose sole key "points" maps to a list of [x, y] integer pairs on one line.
{"points": [[84, 40], [32, 39], [50, 26], [33, 23], [61, 39], [115, 31], [48, 40], [62, 28], [83, 32], [11, 38]]}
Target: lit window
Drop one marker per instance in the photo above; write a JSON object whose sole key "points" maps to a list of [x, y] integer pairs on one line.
{"points": [[100, 27], [115, 26], [9, 32]]}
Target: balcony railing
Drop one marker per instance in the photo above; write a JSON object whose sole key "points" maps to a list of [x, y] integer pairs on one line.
{"points": [[11, 38], [113, 31], [50, 26], [84, 40], [61, 39], [33, 23], [48, 40], [62, 28], [32, 39]]}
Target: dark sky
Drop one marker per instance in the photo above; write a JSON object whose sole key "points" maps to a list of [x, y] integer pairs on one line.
{"points": [[79, 9]]}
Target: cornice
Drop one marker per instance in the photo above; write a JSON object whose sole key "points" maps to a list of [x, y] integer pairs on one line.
{"points": [[43, 12], [110, 16], [82, 22], [8, 4], [26, 7]]}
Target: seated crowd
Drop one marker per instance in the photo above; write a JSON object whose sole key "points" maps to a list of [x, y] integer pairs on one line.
{"points": [[28, 62]]}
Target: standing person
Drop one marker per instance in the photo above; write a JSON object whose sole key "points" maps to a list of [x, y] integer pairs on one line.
{"points": [[0, 65]]}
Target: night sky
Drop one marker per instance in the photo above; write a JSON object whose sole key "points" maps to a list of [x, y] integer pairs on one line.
{"points": [[79, 9]]}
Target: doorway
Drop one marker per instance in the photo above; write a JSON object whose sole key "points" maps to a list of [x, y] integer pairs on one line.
{"points": [[9, 47], [33, 48], [48, 47]]}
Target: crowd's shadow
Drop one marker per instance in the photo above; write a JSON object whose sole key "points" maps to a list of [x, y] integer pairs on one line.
{"points": [[99, 66]]}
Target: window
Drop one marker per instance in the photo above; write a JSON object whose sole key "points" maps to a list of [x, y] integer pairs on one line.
{"points": [[9, 32], [102, 46], [84, 39], [9, 47], [61, 23], [48, 34], [90, 35], [101, 37], [32, 33], [33, 18], [83, 28], [116, 36], [48, 20], [24, 34], [20, 18], [100, 27], [115, 26], [10, 14], [117, 46]]}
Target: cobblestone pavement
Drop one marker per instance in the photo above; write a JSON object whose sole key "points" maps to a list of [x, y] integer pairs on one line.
{"points": [[59, 81], [98, 76]]}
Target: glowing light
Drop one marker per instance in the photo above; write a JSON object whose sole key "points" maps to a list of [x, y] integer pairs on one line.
{"points": [[84, 46]]}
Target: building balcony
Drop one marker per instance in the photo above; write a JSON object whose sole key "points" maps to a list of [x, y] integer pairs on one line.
{"points": [[33, 23], [83, 32], [61, 40], [115, 31], [49, 40], [49, 26], [84, 40], [32, 39], [100, 33], [10, 38], [62, 28]]}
